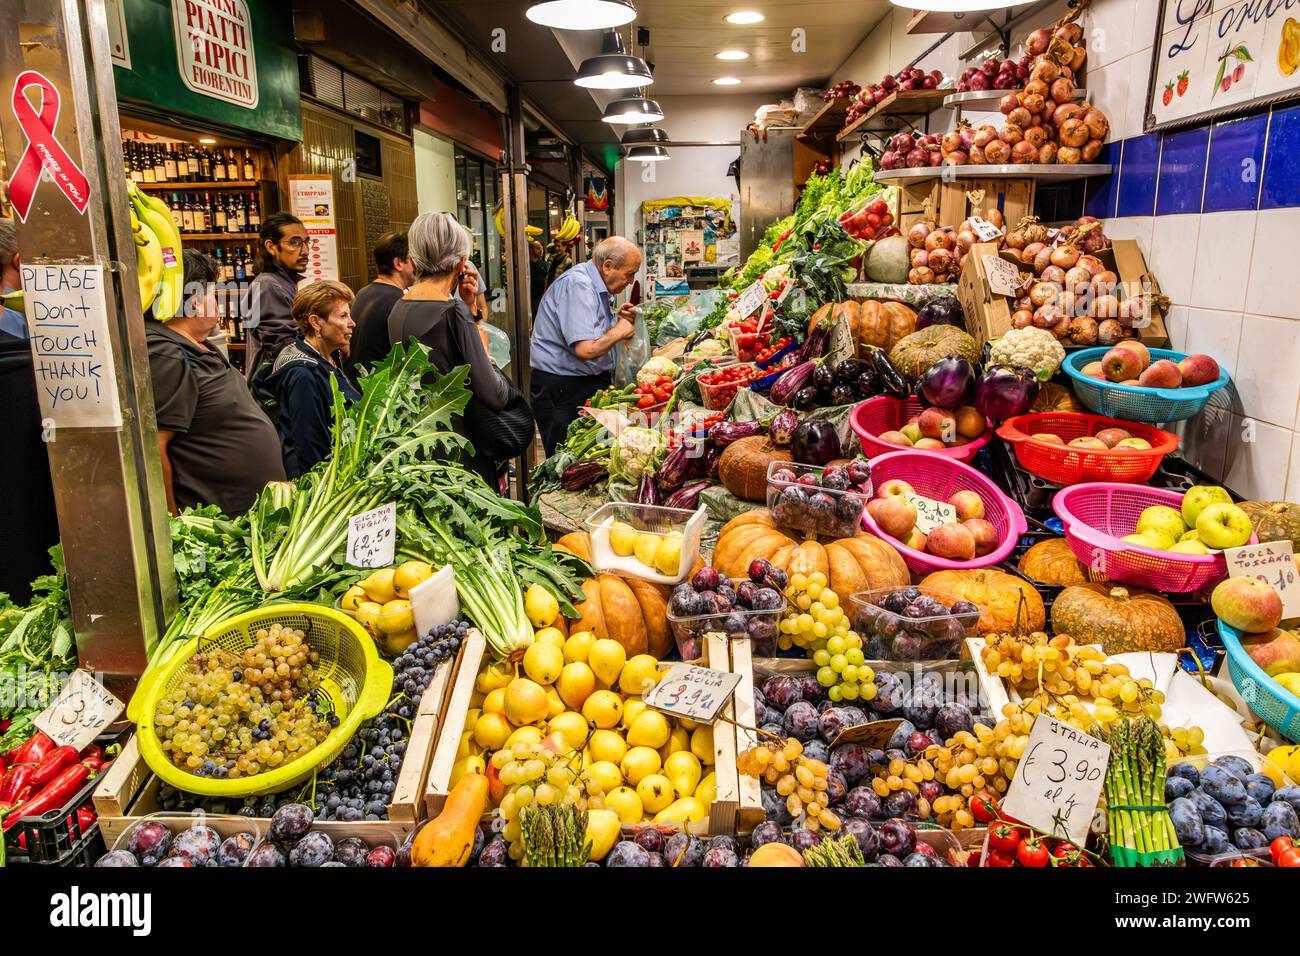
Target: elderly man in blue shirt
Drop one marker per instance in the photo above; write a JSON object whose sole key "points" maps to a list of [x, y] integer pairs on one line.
{"points": [[575, 331]]}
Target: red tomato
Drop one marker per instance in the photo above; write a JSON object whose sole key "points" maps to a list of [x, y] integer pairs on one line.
{"points": [[984, 807], [1245, 861], [645, 401], [1281, 845], [1288, 858], [1032, 853], [1004, 837], [1000, 858]]}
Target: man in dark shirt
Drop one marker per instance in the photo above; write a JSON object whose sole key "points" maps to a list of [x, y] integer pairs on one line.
{"points": [[218, 447], [375, 301]]}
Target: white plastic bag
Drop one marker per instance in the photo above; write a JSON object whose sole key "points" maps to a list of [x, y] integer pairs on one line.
{"points": [[631, 354]]}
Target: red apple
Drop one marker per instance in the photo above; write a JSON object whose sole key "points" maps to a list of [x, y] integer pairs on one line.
{"points": [[1161, 374], [937, 423], [916, 540], [968, 504], [930, 444], [952, 541], [1087, 441], [1137, 444], [1048, 437], [1275, 651], [985, 535], [894, 515], [1095, 370], [1248, 604], [1130, 381], [895, 486], [895, 438], [1120, 364], [1110, 437], [1143, 352], [970, 423], [1198, 370]]}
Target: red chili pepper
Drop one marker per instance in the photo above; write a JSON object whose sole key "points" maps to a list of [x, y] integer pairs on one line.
{"points": [[94, 763], [33, 751], [14, 783], [55, 794], [91, 750], [53, 765], [86, 817]]}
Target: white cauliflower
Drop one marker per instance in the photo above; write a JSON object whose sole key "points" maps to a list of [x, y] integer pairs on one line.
{"points": [[1031, 348], [655, 369], [709, 348], [635, 451], [774, 276]]}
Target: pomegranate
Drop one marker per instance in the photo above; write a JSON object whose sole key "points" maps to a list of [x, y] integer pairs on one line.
{"points": [[951, 141], [942, 261], [984, 135], [1083, 330]]}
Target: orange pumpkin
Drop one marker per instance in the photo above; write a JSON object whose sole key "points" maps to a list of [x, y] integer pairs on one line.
{"points": [[1006, 602], [1053, 562], [871, 323], [860, 563], [1120, 619], [1055, 398], [742, 469]]}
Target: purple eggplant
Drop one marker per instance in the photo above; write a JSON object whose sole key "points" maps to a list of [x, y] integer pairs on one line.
{"points": [[583, 473], [782, 429], [673, 469], [818, 338], [792, 381], [647, 493], [948, 383], [724, 433], [815, 443], [944, 310], [687, 496], [712, 459], [1005, 391]]}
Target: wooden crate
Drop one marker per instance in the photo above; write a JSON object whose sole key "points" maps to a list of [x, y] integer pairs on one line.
{"points": [[952, 203]]}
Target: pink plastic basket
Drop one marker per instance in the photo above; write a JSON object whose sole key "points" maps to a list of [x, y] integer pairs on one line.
{"points": [[885, 413], [934, 476], [1097, 515]]}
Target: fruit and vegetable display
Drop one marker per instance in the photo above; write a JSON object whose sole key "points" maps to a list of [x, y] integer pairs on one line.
{"points": [[1207, 519], [969, 534], [908, 79]]}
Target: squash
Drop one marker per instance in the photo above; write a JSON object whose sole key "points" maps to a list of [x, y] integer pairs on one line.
{"points": [[776, 854], [743, 466], [448, 838], [1119, 619], [1053, 562], [1274, 520], [871, 323], [918, 351], [1055, 398], [626, 609], [1006, 602], [888, 260], [860, 563]]}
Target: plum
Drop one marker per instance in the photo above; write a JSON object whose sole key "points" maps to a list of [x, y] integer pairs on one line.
{"points": [[836, 786], [809, 689], [720, 856], [900, 803], [966, 613], [1187, 772], [656, 859], [951, 719], [174, 861], [1260, 788], [921, 860], [1239, 767], [781, 691], [865, 834], [383, 856], [705, 579], [235, 849], [890, 694], [801, 720], [767, 599], [896, 838], [1245, 814], [864, 803], [769, 831], [886, 859], [895, 601], [682, 849], [918, 742], [835, 721], [650, 840], [931, 790], [1211, 810], [1248, 838], [766, 715], [759, 696], [290, 823], [899, 740], [267, 854], [1290, 795], [1216, 841], [1223, 785], [1187, 822], [850, 760], [198, 844], [759, 569], [804, 839], [352, 851], [816, 750], [627, 854], [117, 859], [496, 853], [149, 842], [1176, 787], [1279, 819], [312, 850], [907, 647], [875, 649]]}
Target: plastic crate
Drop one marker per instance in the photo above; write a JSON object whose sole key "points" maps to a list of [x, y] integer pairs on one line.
{"points": [[1067, 465], [718, 396], [1133, 402], [885, 413], [1269, 700]]}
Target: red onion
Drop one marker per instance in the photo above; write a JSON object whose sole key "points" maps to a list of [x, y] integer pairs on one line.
{"points": [[1077, 60], [1071, 32], [920, 257], [978, 83], [1105, 307], [1024, 152], [1069, 303], [1054, 274], [1104, 281], [936, 157], [994, 216], [922, 275], [1048, 315], [902, 142], [1043, 259], [1067, 257], [938, 239], [1066, 111], [967, 138], [966, 239], [1078, 276], [916, 236], [1094, 265], [1043, 292], [917, 158]]}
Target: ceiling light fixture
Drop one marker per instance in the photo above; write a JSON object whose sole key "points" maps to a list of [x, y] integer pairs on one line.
{"points": [[732, 55], [633, 111], [647, 154], [207, 141], [958, 6], [613, 68], [726, 81], [745, 17], [581, 14], [645, 136]]}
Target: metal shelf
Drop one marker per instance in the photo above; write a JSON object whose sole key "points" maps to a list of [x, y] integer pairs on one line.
{"points": [[977, 99], [1043, 173], [900, 103]]}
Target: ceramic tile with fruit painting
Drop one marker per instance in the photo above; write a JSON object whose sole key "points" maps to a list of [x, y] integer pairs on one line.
{"points": [[1236, 54], [1279, 57], [1181, 52]]}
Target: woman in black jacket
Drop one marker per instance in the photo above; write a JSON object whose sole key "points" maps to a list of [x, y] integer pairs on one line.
{"points": [[283, 247], [302, 374], [434, 313]]}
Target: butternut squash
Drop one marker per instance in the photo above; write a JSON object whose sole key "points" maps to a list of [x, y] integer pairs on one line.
{"points": [[448, 839]]}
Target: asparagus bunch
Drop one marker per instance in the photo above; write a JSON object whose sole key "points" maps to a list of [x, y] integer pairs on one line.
{"points": [[1136, 778], [839, 853], [554, 835]]}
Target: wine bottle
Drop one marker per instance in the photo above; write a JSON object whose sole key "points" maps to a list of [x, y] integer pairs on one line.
{"points": [[250, 174]]}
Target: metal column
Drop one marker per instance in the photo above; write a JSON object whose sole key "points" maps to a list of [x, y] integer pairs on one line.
{"points": [[514, 193], [107, 480]]}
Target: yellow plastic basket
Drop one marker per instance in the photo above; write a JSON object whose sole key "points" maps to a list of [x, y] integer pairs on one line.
{"points": [[354, 684]]}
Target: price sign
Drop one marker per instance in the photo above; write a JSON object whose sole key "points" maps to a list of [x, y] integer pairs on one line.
{"points": [[372, 537], [985, 231], [1004, 278], [697, 693], [1058, 780], [1274, 564], [80, 713], [930, 514], [751, 300]]}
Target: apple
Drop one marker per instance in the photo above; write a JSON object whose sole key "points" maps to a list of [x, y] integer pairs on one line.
{"points": [[1192, 535], [895, 486], [1248, 604], [1161, 374], [1161, 522], [1134, 345], [912, 431], [1095, 370], [1223, 526], [893, 514], [1087, 441], [1130, 381], [937, 423], [895, 438], [1189, 546], [1049, 438], [1136, 443], [970, 423], [916, 540], [968, 504], [1146, 541], [930, 444], [1121, 364], [1276, 651], [952, 541], [1198, 370], [1199, 497], [985, 535], [1110, 437]]}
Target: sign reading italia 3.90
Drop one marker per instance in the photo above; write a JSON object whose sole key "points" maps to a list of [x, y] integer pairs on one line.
{"points": [[214, 49]]}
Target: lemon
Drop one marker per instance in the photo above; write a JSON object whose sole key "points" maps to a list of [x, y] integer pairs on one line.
{"points": [[409, 575], [668, 554], [543, 662], [578, 646], [352, 598], [396, 617], [379, 586], [526, 702], [622, 538], [647, 548], [541, 606], [607, 746]]}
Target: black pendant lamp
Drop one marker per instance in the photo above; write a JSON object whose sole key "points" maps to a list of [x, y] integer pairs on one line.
{"points": [[645, 136], [633, 111], [613, 68], [581, 14], [647, 154]]}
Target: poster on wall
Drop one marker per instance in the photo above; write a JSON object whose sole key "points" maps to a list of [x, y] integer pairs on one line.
{"points": [[311, 199], [214, 49], [692, 244], [1220, 59], [118, 48]]}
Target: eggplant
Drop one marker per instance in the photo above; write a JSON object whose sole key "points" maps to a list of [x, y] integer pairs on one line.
{"points": [[948, 383], [815, 443], [891, 379], [843, 395], [824, 378], [724, 433], [849, 371], [806, 399], [583, 473], [781, 431], [712, 459], [791, 381], [814, 346], [1005, 391], [647, 492], [672, 470], [868, 384], [945, 310], [687, 496]]}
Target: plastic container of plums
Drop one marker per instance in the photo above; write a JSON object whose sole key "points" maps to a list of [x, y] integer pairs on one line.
{"points": [[906, 624], [819, 500], [751, 610]]}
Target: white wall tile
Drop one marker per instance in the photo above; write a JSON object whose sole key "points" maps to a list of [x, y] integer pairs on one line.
{"points": [[1293, 473], [1268, 358], [1139, 228], [1172, 256], [1214, 333], [1258, 469], [1223, 257], [1273, 289], [1144, 25], [1176, 322], [1205, 439], [1108, 31], [1108, 86]]}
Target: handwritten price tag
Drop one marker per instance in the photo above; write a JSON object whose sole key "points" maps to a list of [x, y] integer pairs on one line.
{"points": [[1004, 278], [1059, 780], [372, 537], [930, 514], [751, 300], [697, 693], [80, 713], [985, 231], [1274, 564]]}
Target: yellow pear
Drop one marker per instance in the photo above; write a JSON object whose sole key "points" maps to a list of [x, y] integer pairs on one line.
{"points": [[686, 723], [494, 676], [679, 740], [409, 575], [491, 731], [554, 705], [352, 598], [550, 635], [706, 791], [607, 746], [702, 744], [526, 702], [684, 770], [647, 548], [622, 538], [379, 586], [602, 832], [540, 605], [668, 555], [543, 662], [476, 699], [606, 659], [467, 747], [655, 791], [495, 702], [639, 762], [524, 735], [632, 707], [625, 802], [639, 675], [577, 646], [396, 617], [603, 708], [367, 615], [683, 810], [575, 684], [607, 774], [571, 726], [650, 729]]}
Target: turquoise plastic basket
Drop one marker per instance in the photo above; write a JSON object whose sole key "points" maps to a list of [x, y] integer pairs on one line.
{"points": [[1269, 700], [1138, 404]]}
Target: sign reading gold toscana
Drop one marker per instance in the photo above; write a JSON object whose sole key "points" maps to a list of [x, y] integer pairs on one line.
{"points": [[214, 49], [1215, 58]]}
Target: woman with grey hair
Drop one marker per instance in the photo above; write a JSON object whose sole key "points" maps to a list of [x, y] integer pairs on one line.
{"points": [[434, 314]]}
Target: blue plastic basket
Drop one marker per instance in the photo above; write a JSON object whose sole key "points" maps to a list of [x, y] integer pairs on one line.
{"points": [[1138, 404], [1269, 700]]}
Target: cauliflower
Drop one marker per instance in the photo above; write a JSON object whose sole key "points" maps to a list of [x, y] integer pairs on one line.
{"points": [[655, 369], [709, 348], [635, 451], [1031, 348], [774, 276]]}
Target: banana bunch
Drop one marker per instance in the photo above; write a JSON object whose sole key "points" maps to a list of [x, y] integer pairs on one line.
{"points": [[500, 222], [157, 254], [568, 231]]}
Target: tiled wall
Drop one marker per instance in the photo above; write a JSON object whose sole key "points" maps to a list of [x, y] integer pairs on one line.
{"points": [[1216, 212]]}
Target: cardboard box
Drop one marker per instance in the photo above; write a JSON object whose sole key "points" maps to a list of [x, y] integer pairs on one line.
{"points": [[988, 315], [952, 203]]}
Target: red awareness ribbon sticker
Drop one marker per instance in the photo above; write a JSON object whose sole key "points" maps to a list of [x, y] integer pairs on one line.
{"points": [[43, 150]]}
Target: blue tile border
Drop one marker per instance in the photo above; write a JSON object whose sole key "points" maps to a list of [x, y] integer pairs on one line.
{"points": [[1139, 172], [1236, 164], [1281, 177], [1182, 172]]}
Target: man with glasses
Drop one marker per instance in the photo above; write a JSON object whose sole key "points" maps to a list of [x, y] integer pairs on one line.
{"points": [[283, 249]]}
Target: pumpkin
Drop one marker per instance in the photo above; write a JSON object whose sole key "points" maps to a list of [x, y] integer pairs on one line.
{"points": [[1055, 398], [1119, 619], [855, 564], [1274, 520], [626, 609], [918, 351], [743, 466], [1006, 602], [1052, 562], [448, 839], [871, 323], [776, 854]]}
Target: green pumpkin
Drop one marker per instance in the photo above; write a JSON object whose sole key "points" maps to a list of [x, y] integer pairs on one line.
{"points": [[917, 352]]}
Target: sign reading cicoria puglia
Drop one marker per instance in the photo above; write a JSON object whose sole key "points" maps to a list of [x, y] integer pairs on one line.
{"points": [[214, 49]]}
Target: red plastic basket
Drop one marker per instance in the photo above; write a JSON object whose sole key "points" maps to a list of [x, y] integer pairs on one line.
{"points": [[934, 476], [886, 414], [1097, 515], [1070, 466]]}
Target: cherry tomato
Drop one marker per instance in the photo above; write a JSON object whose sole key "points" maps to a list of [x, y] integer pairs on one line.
{"points": [[1244, 861], [1000, 858], [984, 808], [1288, 858], [1004, 837], [1032, 853], [1281, 845]]}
